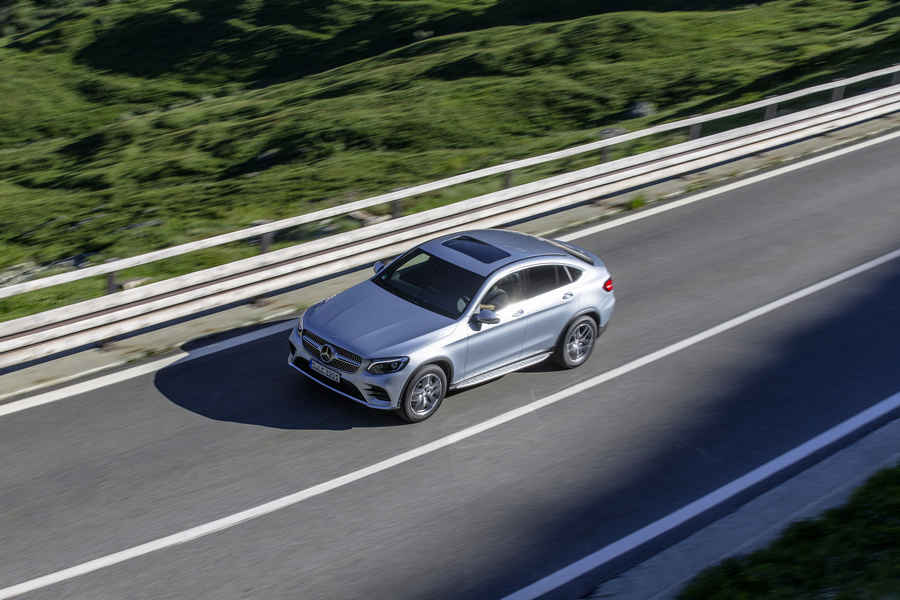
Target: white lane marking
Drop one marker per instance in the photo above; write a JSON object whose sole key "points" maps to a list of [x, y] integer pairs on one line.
{"points": [[701, 505], [87, 386], [104, 381], [723, 189], [59, 380], [771, 531], [285, 501], [118, 376]]}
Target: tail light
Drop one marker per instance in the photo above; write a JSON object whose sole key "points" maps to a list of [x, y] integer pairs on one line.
{"points": [[608, 286]]}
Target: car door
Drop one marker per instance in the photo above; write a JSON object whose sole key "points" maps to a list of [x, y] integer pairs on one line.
{"points": [[549, 295], [494, 345]]}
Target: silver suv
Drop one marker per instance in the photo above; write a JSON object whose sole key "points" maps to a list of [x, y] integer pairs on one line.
{"points": [[453, 312]]}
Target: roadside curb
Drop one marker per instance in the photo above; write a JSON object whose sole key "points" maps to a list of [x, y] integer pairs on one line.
{"points": [[735, 518], [827, 484]]}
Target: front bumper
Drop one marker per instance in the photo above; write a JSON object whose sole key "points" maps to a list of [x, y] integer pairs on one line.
{"points": [[381, 392]]}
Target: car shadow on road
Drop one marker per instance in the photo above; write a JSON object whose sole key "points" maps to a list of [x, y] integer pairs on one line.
{"points": [[253, 384]]}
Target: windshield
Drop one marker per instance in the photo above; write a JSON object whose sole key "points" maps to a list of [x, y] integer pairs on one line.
{"points": [[431, 283]]}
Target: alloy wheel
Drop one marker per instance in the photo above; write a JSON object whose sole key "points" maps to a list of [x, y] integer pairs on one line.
{"points": [[426, 394], [579, 342]]}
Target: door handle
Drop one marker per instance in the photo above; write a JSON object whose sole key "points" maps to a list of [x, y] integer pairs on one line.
{"points": [[567, 296], [518, 313]]}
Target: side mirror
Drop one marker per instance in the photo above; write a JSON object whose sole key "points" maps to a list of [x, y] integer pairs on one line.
{"points": [[487, 316], [378, 267]]}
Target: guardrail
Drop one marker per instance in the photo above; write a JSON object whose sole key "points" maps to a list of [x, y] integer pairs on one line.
{"points": [[693, 124], [91, 321]]}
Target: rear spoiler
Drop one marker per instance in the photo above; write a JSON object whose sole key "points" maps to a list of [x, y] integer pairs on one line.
{"points": [[575, 251]]}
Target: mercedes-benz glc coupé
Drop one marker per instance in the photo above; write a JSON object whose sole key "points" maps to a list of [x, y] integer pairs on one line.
{"points": [[453, 312]]}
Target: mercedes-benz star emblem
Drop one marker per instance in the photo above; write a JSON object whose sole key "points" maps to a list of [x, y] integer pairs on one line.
{"points": [[326, 353]]}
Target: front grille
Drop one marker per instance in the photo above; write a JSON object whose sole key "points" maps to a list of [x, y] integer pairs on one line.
{"points": [[312, 348], [344, 360], [344, 365], [342, 351]]}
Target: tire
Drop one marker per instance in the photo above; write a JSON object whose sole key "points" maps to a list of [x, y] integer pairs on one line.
{"points": [[576, 343], [423, 394]]}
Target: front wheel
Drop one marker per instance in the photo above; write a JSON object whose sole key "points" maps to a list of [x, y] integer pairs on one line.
{"points": [[424, 394], [577, 343]]}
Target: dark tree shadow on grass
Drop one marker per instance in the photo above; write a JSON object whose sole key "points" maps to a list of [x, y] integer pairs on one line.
{"points": [[822, 68], [891, 12], [200, 38]]}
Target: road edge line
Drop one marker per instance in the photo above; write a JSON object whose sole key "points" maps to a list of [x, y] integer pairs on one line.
{"points": [[723, 494]]}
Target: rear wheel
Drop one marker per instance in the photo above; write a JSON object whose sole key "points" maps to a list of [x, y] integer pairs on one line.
{"points": [[423, 394], [577, 343]]}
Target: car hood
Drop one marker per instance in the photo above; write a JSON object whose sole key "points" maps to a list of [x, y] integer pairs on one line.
{"points": [[370, 320]]}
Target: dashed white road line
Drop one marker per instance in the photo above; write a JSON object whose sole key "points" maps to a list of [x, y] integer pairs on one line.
{"points": [[291, 499]]}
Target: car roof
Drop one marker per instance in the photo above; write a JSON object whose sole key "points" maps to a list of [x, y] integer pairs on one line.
{"points": [[516, 246]]}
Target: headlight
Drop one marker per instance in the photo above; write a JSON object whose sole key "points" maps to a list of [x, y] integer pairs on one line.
{"points": [[380, 366]]}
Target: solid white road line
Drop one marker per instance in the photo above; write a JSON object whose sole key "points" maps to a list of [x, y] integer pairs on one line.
{"points": [[87, 386], [701, 505], [643, 214], [59, 380], [236, 341], [125, 374], [269, 507]]}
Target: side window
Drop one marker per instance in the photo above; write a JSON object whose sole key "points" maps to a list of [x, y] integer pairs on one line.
{"points": [[574, 273], [545, 278], [507, 291]]}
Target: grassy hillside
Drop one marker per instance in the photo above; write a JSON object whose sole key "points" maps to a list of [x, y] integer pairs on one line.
{"points": [[849, 552], [129, 126]]}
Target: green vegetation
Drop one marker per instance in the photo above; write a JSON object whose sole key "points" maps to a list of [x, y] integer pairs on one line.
{"points": [[850, 552], [130, 126], [637, 201]]}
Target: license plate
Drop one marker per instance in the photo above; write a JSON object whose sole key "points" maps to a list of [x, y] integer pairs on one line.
{"points": [[332, 374]]}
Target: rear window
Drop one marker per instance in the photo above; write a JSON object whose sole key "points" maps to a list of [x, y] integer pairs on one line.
{"points": [[480, 251]]}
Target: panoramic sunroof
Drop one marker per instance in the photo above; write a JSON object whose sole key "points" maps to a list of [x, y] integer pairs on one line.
{"points": [[477, 249]]}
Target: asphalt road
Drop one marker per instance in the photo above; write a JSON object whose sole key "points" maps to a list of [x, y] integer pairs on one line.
{"points": [[101, 472]]}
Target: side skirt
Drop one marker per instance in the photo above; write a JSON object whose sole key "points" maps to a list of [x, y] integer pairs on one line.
{"points": [[499, 372]]}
